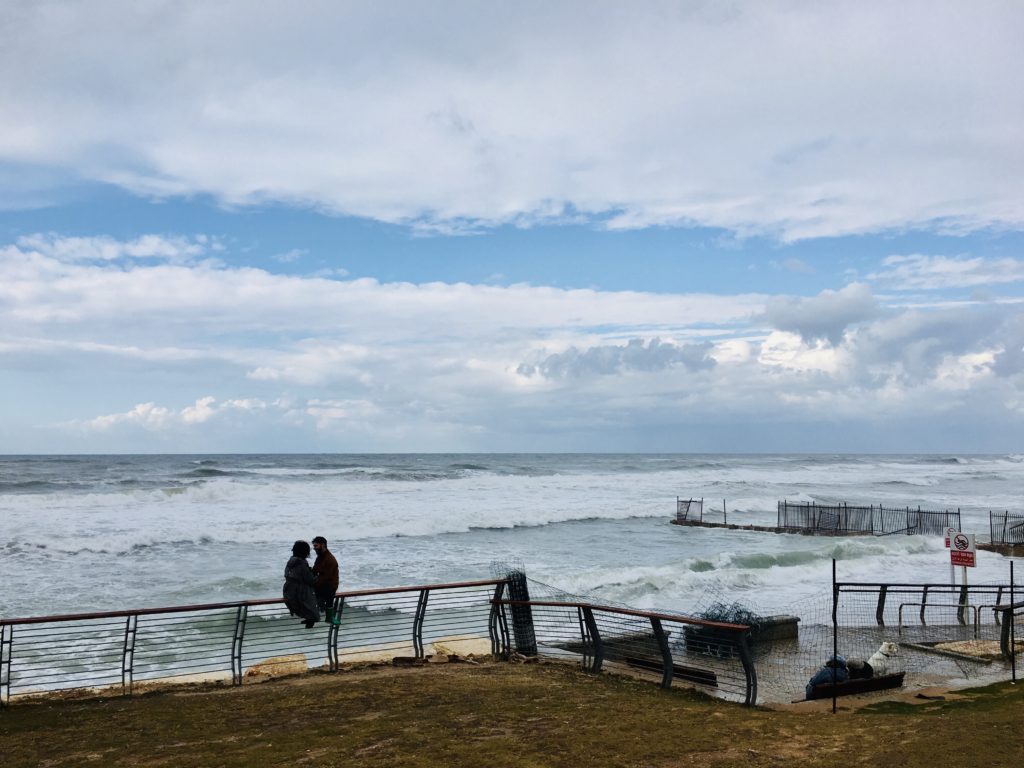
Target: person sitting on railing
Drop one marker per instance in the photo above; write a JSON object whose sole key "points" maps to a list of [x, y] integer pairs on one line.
{"points": [[299, 596], [325, 568]]}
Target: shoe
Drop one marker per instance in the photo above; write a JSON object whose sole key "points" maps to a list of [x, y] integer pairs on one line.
{"points": [[309, 623]]}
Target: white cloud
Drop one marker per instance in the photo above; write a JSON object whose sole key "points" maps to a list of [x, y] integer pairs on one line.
{"points": [[86, 249], [918, 271], [794, 119], [40, 290], [152, 417]]}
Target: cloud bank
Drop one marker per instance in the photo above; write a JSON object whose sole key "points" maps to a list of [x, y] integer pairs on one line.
{"points": [[795, 120], [238, 358]]}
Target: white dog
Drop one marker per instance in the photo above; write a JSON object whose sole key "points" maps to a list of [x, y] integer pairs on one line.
{"points": [[881, 661]]}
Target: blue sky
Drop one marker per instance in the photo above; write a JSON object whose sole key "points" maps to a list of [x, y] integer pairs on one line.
{"points": [[565, 226]]}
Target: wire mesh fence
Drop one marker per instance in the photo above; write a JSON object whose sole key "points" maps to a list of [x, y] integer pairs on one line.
{"points": [[843, 519], [893, 636], [689, 509], [228, 641]]}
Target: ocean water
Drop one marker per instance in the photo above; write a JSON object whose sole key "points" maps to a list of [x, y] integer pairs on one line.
{"points": [[84, 533]]}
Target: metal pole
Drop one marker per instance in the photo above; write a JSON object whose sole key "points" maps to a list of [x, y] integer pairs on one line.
{"points": [[1013, 641], [6, 649], [835, 632], [236, 644], [595, 638], [417, 623], [666, 652]]}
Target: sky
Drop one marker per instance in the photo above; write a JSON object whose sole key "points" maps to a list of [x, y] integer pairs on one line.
{"points": [[687, 226]]}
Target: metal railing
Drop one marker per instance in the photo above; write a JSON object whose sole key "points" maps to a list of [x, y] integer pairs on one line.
{"points": [[1005, 528], [877, 520], [885, 601], [227, 641], [713, 655]]}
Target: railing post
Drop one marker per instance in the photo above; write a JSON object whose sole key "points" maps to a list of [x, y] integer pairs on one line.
{"points": [[880, 610], [749, 672], [6, 651], [241, 614], [497, 624], [332, 633], [595, 637], [999, 600], [924, 603], [963, 604], [666, 652], [522, 615], [131, 624], [417, 623]]}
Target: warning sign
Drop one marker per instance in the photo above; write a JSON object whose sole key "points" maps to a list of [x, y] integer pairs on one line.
{"points": [[962, 550], [949, 533]]}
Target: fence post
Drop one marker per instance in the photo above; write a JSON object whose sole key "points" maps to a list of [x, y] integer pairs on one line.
{"points": [[924, 602], [131, 624], [835, 631], [522, 615], [595, 638], [666, 652], [497, 625], [749, 672], [880, 610], [6, 651], [333, 630], [417, 623], [236, 644], [962, 602], [1013, 637]]}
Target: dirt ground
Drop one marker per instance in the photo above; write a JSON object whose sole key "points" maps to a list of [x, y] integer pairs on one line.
{"points": [[503, 714]]}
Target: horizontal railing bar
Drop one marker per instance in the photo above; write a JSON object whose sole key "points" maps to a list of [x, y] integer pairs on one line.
{"points": [[1007, 607], [237, 604], [930, 585], [628, 612]]}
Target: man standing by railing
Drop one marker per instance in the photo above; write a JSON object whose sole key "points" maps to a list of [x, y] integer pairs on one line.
{"points": [[325, 568]]}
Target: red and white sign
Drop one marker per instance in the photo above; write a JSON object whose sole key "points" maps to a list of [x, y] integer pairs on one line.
{"points": [[962, 550], [949, 535]]}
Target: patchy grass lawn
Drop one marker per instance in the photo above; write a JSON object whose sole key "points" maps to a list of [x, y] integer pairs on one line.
{"points": [[501, 715]]}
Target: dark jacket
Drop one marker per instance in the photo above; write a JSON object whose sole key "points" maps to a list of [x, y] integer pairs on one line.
{"points": [[298, 589], [824, 676], [325, 568]]}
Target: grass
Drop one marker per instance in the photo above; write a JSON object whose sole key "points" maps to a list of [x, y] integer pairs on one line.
{"points": [[499, 714]]}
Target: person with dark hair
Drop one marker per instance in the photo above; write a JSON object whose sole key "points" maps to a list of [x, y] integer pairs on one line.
{"points": [[325, 568], [299, 595]]}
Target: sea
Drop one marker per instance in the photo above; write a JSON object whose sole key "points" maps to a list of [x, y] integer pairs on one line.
{"points": [[89, 533]]}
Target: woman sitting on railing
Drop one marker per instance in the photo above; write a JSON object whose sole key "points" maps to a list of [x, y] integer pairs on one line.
{"points": [[298, 586]]}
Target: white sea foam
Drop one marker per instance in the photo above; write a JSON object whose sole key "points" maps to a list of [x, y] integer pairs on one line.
{"points": [[150, 530]]}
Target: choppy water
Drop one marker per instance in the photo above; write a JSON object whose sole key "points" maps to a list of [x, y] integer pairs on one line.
{"points": [[101, 532]]}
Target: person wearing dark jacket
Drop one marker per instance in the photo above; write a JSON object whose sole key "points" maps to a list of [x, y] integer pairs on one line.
{"points": [[299, 596], [325, 568], [834, 670]]}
